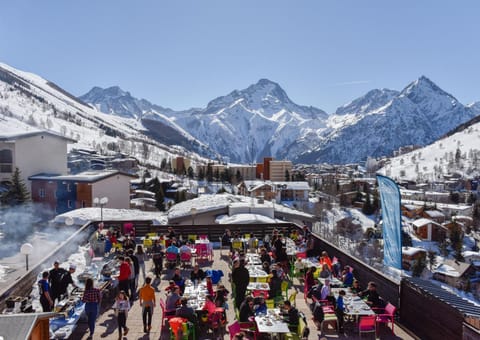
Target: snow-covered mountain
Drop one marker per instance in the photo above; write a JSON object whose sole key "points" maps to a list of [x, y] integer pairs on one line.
{"points": [[373, 100], [420, 114], [244, 125], [261, 120], [29, 103]]}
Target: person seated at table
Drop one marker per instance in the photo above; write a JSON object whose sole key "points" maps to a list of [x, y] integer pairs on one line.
{"points": [[266, 267], [291, 316], [326, 290], [172, 248], [221, 296], [294, 235], [275, 284], [340, 309], [185, 249], [259, 305], [173, 301], [208, 280], [325, 259], [246, 311], [279, 268], [315, 293], [197, 274], [264, 256], [170, 233], [355, 288], [310, 247], [227, 239], [309, 278], [299, 267], [347, 277], [325, 272], [371, 296], [187, 312], [209, 305], [171, 286], [178, 279]]}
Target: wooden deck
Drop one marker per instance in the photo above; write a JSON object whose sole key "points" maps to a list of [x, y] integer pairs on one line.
{"points": [[106, 326]]}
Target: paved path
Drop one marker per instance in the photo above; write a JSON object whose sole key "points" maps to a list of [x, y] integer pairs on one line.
{"points": [[106, 326]]}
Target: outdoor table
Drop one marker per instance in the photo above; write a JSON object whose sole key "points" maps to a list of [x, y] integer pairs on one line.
{"points": [[253, 259], [334, 282], [271, 323], [258, 286], [256, 273], [195, 294]]}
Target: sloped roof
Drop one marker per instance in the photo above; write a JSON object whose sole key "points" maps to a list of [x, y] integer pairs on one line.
{"points": [[86, 176], [462, 305], [14, 136], [19, 326]]}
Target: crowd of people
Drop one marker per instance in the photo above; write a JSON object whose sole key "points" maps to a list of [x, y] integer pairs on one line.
{"points": [[279, 265]]}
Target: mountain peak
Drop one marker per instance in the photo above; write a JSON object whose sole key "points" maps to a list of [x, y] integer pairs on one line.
{"points": [[371, 101], [423, 88]]}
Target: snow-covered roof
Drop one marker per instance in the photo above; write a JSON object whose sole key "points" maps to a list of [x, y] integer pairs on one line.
{"points": [[410, 251], [85, 215], [244, 219], [86, 176], [446, 270], [144, 192], [434, 213], [203, 204], [411, 206], [423, 221]]}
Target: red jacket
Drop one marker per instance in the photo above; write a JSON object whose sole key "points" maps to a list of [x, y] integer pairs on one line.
{"points": [[124, 271]]}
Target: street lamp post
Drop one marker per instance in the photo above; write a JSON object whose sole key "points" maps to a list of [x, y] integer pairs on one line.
{"points": [[101, 202], [26, 249]]}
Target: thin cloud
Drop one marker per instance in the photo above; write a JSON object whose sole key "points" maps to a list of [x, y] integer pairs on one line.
{"points": [[353, 82]]}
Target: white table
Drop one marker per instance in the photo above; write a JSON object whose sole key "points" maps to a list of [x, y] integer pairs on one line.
{"points": [[354, 305], [258, 286], [269, 324]]}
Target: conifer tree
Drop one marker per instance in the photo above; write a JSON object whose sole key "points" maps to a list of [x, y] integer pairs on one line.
{"points": [[17, 193]]}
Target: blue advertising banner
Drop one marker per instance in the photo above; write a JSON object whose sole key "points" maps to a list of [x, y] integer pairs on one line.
{"points": [[392, 222]]}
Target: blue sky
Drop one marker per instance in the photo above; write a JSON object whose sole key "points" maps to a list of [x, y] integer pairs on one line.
{"points": [[182, 54]]}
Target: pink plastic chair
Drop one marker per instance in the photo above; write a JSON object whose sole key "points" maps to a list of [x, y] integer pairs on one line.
{"points": [[202, 251], [386, 315], [367, 324], [186, 259]]}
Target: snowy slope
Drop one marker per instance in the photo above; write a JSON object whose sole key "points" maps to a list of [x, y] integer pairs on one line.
{"points": [[428, 163], [29, 102]]}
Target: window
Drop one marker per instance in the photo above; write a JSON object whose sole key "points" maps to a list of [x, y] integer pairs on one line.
{"points": [[69, 187], [69, 204], [6, 161], [84, 204], [41, 193]]}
